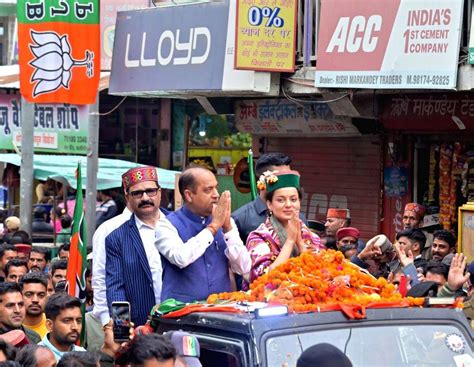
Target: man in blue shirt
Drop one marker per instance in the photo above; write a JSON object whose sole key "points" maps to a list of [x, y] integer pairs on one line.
{"points": [[64, 320]]}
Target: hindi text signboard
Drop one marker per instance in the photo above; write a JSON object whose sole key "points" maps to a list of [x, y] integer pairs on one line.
{"points": [[59, 128], [273, 117], [266, 35], [437, 111], [409, 44]]}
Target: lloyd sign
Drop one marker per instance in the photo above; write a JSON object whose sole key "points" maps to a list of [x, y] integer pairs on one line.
{"points": [[152, 52], [168, 46], [389, 44], [179, 49]]}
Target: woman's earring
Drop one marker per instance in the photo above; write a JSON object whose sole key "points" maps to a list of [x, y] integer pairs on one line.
{"points": [[270, 213]]}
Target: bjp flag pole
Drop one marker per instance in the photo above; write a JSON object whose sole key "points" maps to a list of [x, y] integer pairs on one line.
{"points": [[59, 50], [77, 263]]}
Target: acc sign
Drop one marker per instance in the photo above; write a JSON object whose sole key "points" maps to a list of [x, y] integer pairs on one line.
{"points": [[356, 34], [389, 44]]}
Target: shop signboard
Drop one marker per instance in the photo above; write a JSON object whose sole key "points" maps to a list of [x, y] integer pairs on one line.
{"points": [[266, 35], [177, 50], [376, 44], [58, 128], [108, 14], [437, 111], [281, 117]]}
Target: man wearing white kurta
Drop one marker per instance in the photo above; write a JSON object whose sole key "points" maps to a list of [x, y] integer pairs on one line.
{"points": [[200, 242]]}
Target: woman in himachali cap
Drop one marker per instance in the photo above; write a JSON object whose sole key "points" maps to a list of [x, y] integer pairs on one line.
{"points": [[283, 234]]}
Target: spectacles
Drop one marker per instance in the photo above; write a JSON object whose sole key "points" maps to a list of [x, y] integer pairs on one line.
{"points": [[138, 194]]}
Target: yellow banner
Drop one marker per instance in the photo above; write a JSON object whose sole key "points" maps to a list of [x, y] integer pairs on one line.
{"points": [[266, 35]]}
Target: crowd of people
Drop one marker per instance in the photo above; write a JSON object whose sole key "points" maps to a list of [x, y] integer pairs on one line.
{"points": [[145, 255]]}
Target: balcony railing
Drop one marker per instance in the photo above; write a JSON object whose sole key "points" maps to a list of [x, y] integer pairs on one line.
{"points": [[307, 31]]}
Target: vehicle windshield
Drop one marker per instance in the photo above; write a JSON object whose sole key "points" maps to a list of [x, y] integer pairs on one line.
{"points": [[390, 346]]}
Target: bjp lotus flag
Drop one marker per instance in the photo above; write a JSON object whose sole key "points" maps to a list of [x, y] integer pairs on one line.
{"points": [[59, 50], [77, 262]]}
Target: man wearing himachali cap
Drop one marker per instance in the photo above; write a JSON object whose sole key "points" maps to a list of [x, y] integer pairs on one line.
{"points": [[336, 219], [133, 265], [347, 238], [413, 215]]}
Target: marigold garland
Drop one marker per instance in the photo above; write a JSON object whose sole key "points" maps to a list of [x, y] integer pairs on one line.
{"points": [[313, 281]]}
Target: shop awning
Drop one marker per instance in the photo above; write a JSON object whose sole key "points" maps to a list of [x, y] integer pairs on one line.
{"points": [[10, 77], [62, 168]]}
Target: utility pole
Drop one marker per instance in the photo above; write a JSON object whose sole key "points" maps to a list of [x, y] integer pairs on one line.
{"points": [[92, 168], [26, 168]]}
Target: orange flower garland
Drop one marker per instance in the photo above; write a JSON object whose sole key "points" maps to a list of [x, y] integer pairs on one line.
{"points": [[319, 281]]}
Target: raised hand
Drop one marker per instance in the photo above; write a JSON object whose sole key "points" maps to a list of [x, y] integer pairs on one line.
{"points": [[110, 347], [299, 239], [456, 276], [220, 211], [402, 256], [294, 230], [227, 223], [370, 252]]}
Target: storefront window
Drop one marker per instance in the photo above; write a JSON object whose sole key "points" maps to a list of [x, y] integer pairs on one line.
{"points": [[215, 143], [445, 180], [217, 131], [130, 132]]}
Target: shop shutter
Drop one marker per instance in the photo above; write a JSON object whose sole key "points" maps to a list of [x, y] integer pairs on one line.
{"points": [[338, 172]]}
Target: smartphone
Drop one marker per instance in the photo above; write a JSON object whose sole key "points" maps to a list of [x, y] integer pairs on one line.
{"points": [[121, 319]]}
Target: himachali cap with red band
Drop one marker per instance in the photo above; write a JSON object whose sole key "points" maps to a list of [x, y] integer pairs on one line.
{"points": [[338, 213], [347, 232], [140, 174], [16, 337], [418, 209], [23, 248]]}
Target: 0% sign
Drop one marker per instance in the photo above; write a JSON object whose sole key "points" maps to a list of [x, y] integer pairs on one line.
{"points": [[257, 15]]}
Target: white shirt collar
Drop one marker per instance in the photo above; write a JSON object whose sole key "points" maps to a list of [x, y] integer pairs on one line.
{"points": [[141, 224]]}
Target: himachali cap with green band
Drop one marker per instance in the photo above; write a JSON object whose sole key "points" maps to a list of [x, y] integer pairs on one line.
{"points": [[280, 180]]}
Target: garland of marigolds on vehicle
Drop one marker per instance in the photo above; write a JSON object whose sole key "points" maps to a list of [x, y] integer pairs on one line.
{"points": [[317, 281]]}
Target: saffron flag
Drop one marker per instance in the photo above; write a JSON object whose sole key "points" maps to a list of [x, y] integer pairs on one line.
{"points": [[77, 263], [59, 50]]}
